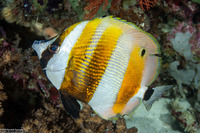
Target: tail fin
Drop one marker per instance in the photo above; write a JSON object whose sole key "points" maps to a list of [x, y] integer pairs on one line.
{"points": [[156, 93]]}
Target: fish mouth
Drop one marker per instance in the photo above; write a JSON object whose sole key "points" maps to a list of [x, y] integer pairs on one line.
{"points": [[41, 45], [37, 47]]}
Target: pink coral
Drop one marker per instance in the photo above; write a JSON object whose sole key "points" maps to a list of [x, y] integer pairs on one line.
{"points": [[194, 41], [188, 11]]}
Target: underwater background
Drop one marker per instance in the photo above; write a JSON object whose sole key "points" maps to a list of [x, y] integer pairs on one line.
{"points": [[29, 102]]}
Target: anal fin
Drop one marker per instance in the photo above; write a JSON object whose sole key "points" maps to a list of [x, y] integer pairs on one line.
{"points": [[70, 104]]}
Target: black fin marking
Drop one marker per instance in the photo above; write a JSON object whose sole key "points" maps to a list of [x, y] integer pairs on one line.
{"points": [[148, 94], [155, 96], [70, 104]]}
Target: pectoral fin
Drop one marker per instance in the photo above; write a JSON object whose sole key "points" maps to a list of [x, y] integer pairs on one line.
{"points": [[70, 104]]}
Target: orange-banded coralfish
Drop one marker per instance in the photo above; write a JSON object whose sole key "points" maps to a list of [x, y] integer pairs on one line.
{"points": [[106, 62]]}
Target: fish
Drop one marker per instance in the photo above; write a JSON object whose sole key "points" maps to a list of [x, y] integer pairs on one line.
{"points": [[106, 62]]}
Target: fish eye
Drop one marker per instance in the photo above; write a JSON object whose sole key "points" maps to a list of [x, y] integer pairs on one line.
{"points": [[143, 52], [54, 49]]}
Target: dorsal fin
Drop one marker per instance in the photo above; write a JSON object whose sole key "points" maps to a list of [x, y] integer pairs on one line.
{"points": [[70, 104]]}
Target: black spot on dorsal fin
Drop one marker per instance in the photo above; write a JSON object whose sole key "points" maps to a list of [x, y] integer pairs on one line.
{"points": [[148, 94], [154, 94], [70, 104], [143, 52]]}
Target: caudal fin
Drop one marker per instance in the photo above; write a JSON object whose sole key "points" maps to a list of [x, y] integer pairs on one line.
{"points": [[154, 94]]}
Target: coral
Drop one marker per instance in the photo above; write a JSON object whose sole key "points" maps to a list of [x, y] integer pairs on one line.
{"points": [[20, 66], [3, 97], [92, 8], [115, 4], [89, 121], [2, 94], [193, 38], [183, 54], [28, 13], [188, 11], [182, 39], [33, 103], [147, 4], [130, 13], [187, 75], [7, 14], [158, 119], [18, 71], [180, 54], [39, 7], [183, 9], [78, 7], [185, 114], [12, 64], [49, 118]]}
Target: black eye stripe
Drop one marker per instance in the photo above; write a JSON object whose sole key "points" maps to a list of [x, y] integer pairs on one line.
{"points": [[47, 54]]}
